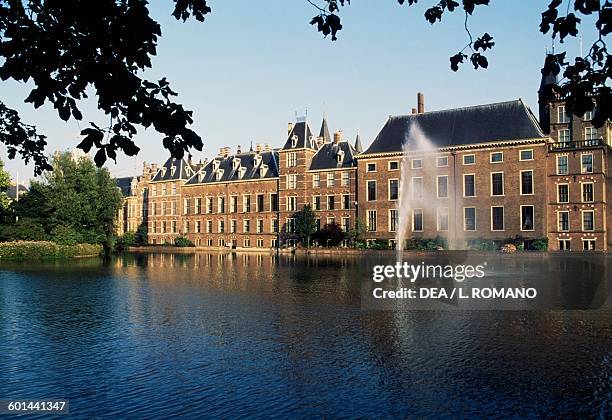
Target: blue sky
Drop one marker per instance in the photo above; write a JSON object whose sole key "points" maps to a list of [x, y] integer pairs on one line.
{"points": [[251, 66]]}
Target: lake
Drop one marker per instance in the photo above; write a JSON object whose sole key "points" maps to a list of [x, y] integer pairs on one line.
{"points": [[217, 335]]}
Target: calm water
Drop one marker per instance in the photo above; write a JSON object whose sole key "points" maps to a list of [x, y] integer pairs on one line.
{"points": [[152, 336]]}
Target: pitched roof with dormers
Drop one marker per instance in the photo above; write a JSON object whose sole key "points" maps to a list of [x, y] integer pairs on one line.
{"points": [[300, 137], [174, 170], [504, 121], [334, 156], [238, 167]]}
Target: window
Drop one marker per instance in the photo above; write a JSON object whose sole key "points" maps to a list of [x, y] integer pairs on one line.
{"points": [[233, 204], [563, 222], [587, 192], [469, 159], [260, 203], [393, 219], [562, 116], [497, 183], [233, 226], [163, 189], [291, 182], [371, 190], [346, 179], [563, 193], [260, 243], [371, 225], [588, 116], [417, 187], [316, 202], [247, 243], [417, 163], [442, 186], [292, 160], [186, 226], [331, 221], [274, 202], [588, 244], [174, 226], [197, 206], [246, 226], [153, 227], [469, 218], [185, 206], [173, 207], [590, 133], [564, 136], [469, 185], [497, 218], [346, 201], [588, 219], [497, 157], [564, 245], [246, 203], [417, 220], [526, 155], [526, 182], [198, 226], [394, 165], [331, 202], [290, 227], [260, 225], [346, 224], [330, 179], [316, 180], [393, 189], [442, 221], [209, 226], [209, 242], [173, 188], [442, 161], [221, 226], [275, 225], [527, 218], [562, 168], [587, 163], [371, 167], [221, 205], [209, 205], [291, 203], [153, 190]]}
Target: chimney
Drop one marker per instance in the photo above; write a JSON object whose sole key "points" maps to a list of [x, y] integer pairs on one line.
{"points": [[268, 147], [337, 137], [238, 151], [258, 147], [189, 157], [289, 128], [224, 151], [414, 111], [420, 103], [154, 167]]}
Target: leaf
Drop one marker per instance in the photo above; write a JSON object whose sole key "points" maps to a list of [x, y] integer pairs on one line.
{"points": [[484, 42], [456, 60], [100, 158]]}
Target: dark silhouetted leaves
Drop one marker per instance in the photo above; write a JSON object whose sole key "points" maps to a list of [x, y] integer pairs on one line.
{"points": [[484, 42], [479, 60], [456, 59]]}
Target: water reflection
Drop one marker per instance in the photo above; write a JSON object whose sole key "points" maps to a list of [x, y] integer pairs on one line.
{"points": [[158, 335]]}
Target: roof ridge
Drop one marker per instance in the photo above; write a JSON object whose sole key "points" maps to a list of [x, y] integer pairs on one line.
{"points": [[455, 109]]}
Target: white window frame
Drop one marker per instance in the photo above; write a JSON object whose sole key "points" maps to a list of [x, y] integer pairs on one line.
{"points": [[582, 184], [438, 162], [521, 218], [438, 186], [438, 213], [566, 164], [390, 227], [368, 190], [503, 219], [562, 117], [582, 212], [465, 229], [532, 182], [559, 195], [373, 166], [582, 171], [503, 184], [412, 162], [316, 180], [521, 153], [389, 165], [414, 211], [559, 221], [389, 189], [468, 164], [496, 153], [475, 194]]}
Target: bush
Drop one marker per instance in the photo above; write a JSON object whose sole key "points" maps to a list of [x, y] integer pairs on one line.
{"points": [[379, 244], [65, 235], [25, 229], [123, 242], [30, 250], [540, 244], [423, 244], [483, 245], [182, 241], [140, 238], [330, 235]]}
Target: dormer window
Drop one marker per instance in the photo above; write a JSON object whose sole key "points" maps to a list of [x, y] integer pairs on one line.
{"points": [[163, 171], [201, 176], [294, 140], [219, 174], [263, 170], [172, 170], [236, 163], [241, 172], [340, 156], [257, 160], [215, 165], [187, 171]]}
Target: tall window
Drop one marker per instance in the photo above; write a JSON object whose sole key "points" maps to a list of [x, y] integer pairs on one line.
{"points": [[291, 182], [233, 204], [417, 220], [221, 226], [590, 133], [290, 228], [587, 192], [371, 190], [316, 180], [527, 215], [564, 136], [442, 218], [526, 182], [588, 218], [291, 203], [393, 189], [260, 203], [562, 116], [469, 185], [185, 206], [497, 183], [371, 226], [316, 202], [197, 207], [275, 225], [588, 116], [331, 202], [274, 202], [562, 168], [292, 159], [198, 227], [417, 187], [246, 203], [233, 226], [442, 186], [587, 163], [346, 178], [469, 218], [209, 205], [563, 193], [393, 218], [330, 179], [246, 226], [563, 221], [346, 224], [221, 205], [260, 225], [209, 226], [497, 218], [346, 201]]}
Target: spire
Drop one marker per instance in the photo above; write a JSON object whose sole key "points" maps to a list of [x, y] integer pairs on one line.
{"points": [[546, 94], [251, 149], [358, 146], [324, 133]]}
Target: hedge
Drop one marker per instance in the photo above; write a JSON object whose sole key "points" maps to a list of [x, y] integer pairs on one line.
{"points": [[39, 250]]}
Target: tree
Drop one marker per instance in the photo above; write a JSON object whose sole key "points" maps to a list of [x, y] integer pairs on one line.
{"points": [[5, 183], [586, 81], [305, 224], [356, 233], [330, 235], [140, 238]]}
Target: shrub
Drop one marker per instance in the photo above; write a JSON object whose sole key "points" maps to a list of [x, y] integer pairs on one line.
{"points": [[540, 244], [423, 244], [25, 229], [30, 250], [183, 242], [123, 242], [65, 235], [379, 244], [483, 245], [330, 235], [140, 238]]}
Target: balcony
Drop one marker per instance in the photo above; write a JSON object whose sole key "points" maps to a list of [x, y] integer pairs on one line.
{"points": [[575, 145]]}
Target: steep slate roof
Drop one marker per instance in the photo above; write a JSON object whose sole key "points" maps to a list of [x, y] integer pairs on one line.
{"points": [[326, 156], [125, 185], [11, 191], [324, 133], [182, 170], [247, 161], [305, 139], [502, 121], [358, 146]]}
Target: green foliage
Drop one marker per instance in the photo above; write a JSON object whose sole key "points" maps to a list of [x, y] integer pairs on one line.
{"points": [[5, 183], [379, 244], [183, 242], [305, 224], [140, 238], [425, 244], [26, 250], [540, 244], [483, 245], [25, 229], [65, 235], [356, 233], [330, 235], [124, 242]]}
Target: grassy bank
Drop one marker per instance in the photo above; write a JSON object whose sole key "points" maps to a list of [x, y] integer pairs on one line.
{"points": [[44, 250]]}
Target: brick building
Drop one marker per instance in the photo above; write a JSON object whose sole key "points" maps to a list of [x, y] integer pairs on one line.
{"points": [[134, 209]]}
